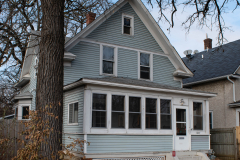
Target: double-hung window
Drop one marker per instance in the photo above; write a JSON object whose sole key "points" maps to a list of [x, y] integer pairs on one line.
{"points": [[197, 116], [151, 113], [134, 112], [108, 60], [73, 113], [99, 110], [166, 117], [118, 112], [127, 25], [144, 66]]}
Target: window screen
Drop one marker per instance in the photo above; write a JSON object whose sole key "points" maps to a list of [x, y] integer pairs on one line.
{"points": [[144, 66], [118, 113], [99, 110], [25, 112], [197, 116], [108, 59], [73, 113], [151, 113], [134, 112], [166, 117]]}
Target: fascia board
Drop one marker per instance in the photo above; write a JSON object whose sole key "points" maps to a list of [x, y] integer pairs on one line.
{"points": [[22, 82], [87, 30], [158, 34], [88, 81]]}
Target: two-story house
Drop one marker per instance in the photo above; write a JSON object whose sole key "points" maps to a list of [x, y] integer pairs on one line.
{"points": [[123, 89], [217, 70]]}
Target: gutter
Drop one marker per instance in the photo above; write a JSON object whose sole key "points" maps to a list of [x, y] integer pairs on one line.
{"points": [[234, 99]]}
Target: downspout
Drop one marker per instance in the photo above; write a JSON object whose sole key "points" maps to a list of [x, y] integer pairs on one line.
{"points": [[234, 100]]}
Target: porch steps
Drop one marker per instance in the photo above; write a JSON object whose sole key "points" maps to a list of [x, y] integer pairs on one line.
{"points": [[190, 158]]}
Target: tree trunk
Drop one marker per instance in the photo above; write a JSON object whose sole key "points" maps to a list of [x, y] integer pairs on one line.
{"points": [[50, 73]]}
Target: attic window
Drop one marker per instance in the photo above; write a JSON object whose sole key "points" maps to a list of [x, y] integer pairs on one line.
{"points": [[127, 24]]}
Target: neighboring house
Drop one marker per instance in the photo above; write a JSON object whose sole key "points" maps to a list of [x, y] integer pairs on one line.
{"points": [[123, 88], [217, 70]]}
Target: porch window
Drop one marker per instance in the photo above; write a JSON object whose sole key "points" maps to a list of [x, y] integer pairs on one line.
{"points": [[197, 116], [134, 112], [73, 113], [151, 113], [166, 116], [25, 112], [99, 110], [118, 113]]}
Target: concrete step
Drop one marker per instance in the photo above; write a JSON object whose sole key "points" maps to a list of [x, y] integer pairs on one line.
{"points": [[190, 157]]}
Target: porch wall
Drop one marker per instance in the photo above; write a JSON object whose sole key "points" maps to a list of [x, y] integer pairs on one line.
{"points": [[199, 142]]}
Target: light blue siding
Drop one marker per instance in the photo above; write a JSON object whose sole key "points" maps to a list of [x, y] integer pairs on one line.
{"points": [[69, 138], [163, 71], [76, 95], [200, 143], [127, 63], [86, 63], [125, 143], [110, 31]]}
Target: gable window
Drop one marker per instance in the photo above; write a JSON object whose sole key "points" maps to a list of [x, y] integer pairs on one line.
{"points": [[127, 23], [73, 113], [108, 60], [166, 117], [151, 113], [134, 112], [144, 66], [25, 112], [197, 116], [118, 113], [99, 110]]}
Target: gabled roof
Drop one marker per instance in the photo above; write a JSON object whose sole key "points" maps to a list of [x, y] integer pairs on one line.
{"points": [[149, 22], [213, 64]]}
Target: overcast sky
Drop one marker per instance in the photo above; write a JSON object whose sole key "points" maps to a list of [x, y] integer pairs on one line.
{"points": [[194, 40]]}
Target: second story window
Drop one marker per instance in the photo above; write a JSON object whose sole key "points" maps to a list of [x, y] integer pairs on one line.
{"points": [[108, 60], [127, 24], [144, 66]]}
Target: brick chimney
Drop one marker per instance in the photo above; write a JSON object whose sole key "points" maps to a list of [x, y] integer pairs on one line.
{"points": [[90, 17], [207, 43]]}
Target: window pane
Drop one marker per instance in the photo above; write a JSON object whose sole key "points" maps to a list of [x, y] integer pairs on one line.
{"points": [[165, 106], [108, 67], [181, 115], [25, 111], [144, 59], [181, 128], [134, 120], [99, 119], [134, 104], [71, 113], [99, 102], [127, 30], [151, 121], [108, 53], [75, 112], [118, 120], [145, 72], [127, 22], [198, 123], [166, 121], [197, 108], [117, 103], [151, 105]]}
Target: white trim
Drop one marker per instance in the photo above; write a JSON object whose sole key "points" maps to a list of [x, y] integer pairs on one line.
{"points": [[72, 124], [123, 47], [131, 23], [85, 144], [237, 116]]}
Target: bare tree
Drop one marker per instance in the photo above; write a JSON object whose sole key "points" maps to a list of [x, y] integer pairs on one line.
{"points": [[207, 13]]}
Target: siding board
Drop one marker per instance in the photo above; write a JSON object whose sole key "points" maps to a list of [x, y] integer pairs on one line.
{"points": [[128, 143]]}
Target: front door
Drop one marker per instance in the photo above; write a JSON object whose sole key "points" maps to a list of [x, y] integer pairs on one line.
{"points": [[181, 134]]}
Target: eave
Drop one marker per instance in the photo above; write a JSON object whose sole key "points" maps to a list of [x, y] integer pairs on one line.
{"points": [[25, 80]]}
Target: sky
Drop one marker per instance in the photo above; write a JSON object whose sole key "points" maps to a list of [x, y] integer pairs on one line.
{"points": [[194, 39]]}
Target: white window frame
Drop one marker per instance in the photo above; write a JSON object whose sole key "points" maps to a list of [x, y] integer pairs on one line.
{"points": [[72, 124], [237, 117], [212, 119], [150, 65], [108, 130], [131, 24], [115, 63], [20, 111]]}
